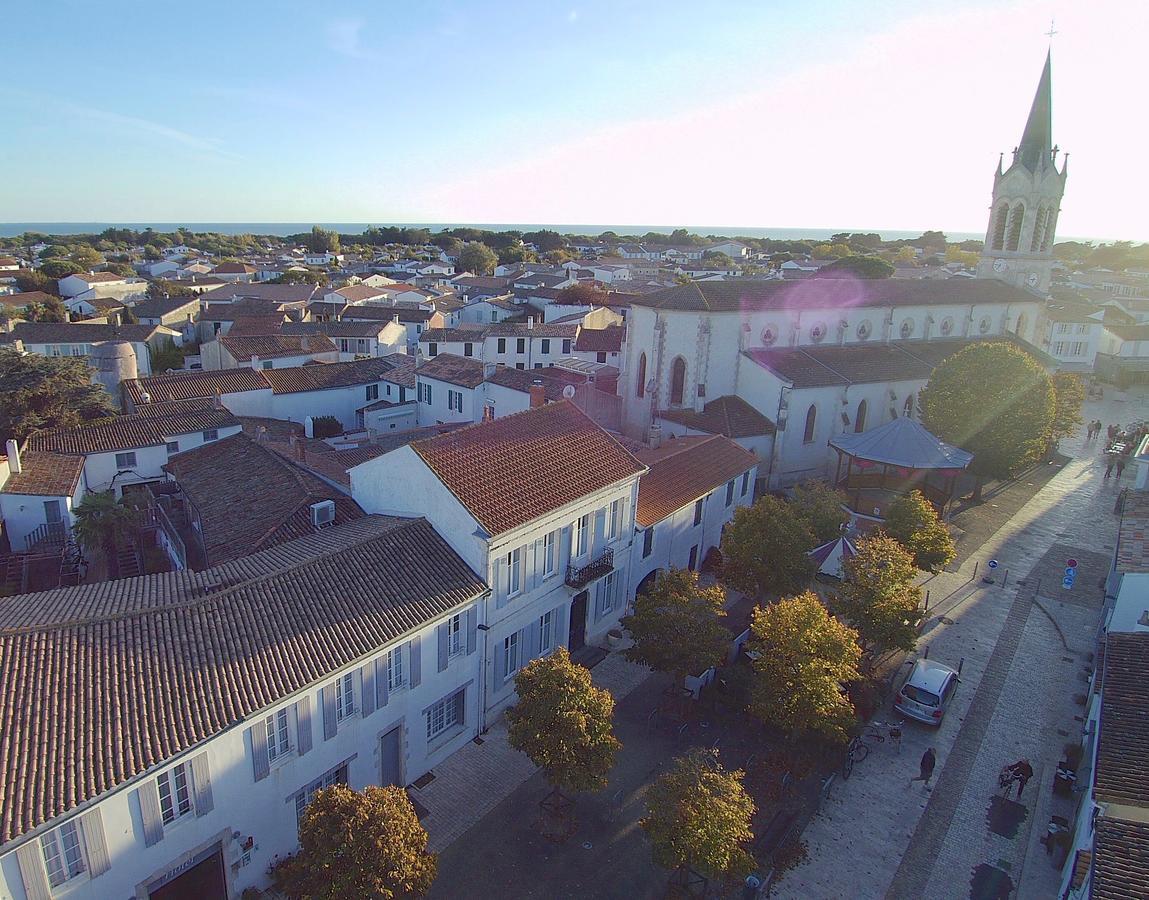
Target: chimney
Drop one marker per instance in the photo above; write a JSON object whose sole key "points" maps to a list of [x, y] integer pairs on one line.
{"points": [[655, 437], [304, 343], [538, 394], [217, 402], [489, 369], [13, 451], [500, 366], [255, 361], [530, 323]]}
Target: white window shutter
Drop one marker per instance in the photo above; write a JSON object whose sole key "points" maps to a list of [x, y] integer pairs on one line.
{"points": [[382, 684], [303, 725], [441, 638], [416, 662], [367, 694], [201, 782], [92, 825], [472, 629], [330, 723], [149, 797], [260, 765], [32, 871]]}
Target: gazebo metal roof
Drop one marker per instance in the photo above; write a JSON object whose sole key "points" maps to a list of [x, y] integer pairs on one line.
{"points": [[904, 443]]}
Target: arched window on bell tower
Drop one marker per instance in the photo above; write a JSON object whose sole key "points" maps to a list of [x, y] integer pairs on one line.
{"points": [[1013, 232], [999, 223]]}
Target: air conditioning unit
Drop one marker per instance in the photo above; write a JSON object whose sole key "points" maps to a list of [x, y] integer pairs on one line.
{"points": [[322, 513]]}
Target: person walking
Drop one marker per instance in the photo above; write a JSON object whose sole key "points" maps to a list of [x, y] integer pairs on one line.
{"points": [[1022, 772], [1109, 464], [1120, 466], [929, 760], [1112, 433]]}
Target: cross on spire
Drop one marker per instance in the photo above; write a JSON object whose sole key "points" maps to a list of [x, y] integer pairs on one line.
{"points": [[1051, 32]]}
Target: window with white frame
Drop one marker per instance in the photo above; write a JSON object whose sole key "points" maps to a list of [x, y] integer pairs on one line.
{"points": [[549, 562], [344, 697], [604, 596], [126, 460], [445, 714], [511, 655], [730, 492], [613, 521], [338, 775], [582, 527], [372, 392], [175, 792], [514, 572], [63, 853], [211, 434], [1077, 348], [395, 677], [173, 446], [455, 642], [547, 632], [278, 735]]}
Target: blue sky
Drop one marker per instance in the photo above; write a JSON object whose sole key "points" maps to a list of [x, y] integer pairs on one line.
{"points": [[804, 114]]}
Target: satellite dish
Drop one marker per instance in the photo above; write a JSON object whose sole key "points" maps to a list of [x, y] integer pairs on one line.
{"points": [[569, 391]]}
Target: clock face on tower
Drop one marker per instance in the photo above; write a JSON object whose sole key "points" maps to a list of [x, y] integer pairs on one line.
{"points": [[999, 265]]}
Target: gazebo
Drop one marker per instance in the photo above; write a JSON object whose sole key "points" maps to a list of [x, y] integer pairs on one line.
{"points": [[893, 459]]}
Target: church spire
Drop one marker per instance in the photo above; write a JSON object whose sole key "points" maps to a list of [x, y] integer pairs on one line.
{"points": [[1035, 151]]}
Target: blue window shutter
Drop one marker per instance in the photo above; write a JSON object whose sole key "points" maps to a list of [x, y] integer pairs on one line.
{"points": [[472, 629], [367, 695], [441, 640], [416, 662], [303, 725], [382, 685], [259, 761], [149, 797], [500, 665], [330, 723]]}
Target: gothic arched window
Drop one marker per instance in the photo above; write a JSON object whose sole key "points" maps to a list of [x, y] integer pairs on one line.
{"points": [[677, 380], [811, 421], [1039, 228], [640, 384], [1050, 228], [1013, 232], [999, 226], [860, 418]]}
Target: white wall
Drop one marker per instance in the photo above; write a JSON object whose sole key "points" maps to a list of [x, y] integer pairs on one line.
{"points": [[265, 809], [24, 513], [101, 468], [437, 411]]}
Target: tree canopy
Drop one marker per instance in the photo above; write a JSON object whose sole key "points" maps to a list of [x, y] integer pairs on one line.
{"points": [[478, 258], [878, 595], [861, 266], [1005, 421], [47, 392], [354, 845], [61, 268], [913, 522], [821, 506], [677, 625], [51, 310], [321, 240], [699, 815], [564, 723], [804, 656], [1069, 395], [765, 548], [582, 294], [102, 521]]}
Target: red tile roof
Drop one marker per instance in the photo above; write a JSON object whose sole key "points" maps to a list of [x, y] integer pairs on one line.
{"points": [[397, 368], [600, 340], [46, 475], [517, 468], [1122, 774], [106, 681], [1120, 858], [460, 370], [683, 470], [730, 416], [272, 346], [129, 432], [188, 385]]}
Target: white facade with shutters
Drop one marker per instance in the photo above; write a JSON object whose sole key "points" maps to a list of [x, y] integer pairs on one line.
{"points": [[532, 607], [388, 718]]}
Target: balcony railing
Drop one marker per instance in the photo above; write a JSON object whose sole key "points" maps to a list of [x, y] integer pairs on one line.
{"points": [[579, 577]]}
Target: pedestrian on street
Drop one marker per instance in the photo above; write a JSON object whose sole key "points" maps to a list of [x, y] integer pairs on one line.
{"points": [[929, 759], [1120, 466], [1112, 432], [1022, 772], [1109, 464]]}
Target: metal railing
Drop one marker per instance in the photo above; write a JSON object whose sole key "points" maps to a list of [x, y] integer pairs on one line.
{"points": [[49, 536], [580, 576]]}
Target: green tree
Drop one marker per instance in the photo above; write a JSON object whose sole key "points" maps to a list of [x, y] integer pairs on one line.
{"points": [[478, 258], [677, 626], [861, 266], [35, 280], [698, 818], [582, 294], [354, 845], [298, 276], [912, 521], [1005, 421], [60, 268], [51, 310], [545, 240], [804, 656], [821, 506], [87, 257], [321, 240], [717, 260], [122, 269], [47, 392], [830, 251], [450, 244], [160, 288], [1069, 395], [878, 596], [766, 546], [906, 255], [103, 522], [955, 254]]}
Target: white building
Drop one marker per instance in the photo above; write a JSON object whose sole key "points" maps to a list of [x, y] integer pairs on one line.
{"points": [[192, 772], [529, 345], [81, 339], [39, 493], [1072, 334], [550, 532]]}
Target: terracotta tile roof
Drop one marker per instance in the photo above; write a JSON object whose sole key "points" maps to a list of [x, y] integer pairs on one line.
{"points": [[1120, 859], [165, 306], [233, 268], [460, 370], [601, 340], [80, 333], [355, 292], [1122, 774], [1132, 542], [511, 470], [824, 292], [730, 416], [279, 293], [164, 408], [271, 346], [46, 475], [442, 335], [522, 379], [297, 379], [684, 469], [102, 278], [540, 330], [371, 313], [129, 432], [336, 329], [221, 645], [247, 326], [25, 298], [186, 385], [249, 498]]}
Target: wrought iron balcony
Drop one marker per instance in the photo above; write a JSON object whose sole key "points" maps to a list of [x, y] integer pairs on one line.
{"points": [[579, 577]]}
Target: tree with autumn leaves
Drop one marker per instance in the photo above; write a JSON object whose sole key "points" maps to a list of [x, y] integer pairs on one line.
{"points": [[878, 596], [358, 844], [913, 522]]}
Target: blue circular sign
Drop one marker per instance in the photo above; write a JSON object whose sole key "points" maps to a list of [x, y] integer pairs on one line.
{"points": [[1067, 582], [1069, 570], [993, 563]]}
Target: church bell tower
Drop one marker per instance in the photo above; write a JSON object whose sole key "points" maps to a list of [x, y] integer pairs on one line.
{"points": [[1026, 201]]}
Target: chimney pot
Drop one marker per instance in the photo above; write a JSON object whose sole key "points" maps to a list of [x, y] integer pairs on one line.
{"points": [[538, 394], [13, 451], [255, 361]]}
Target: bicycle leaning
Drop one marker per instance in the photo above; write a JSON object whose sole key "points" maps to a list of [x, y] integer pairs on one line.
{"points": [[858, 749]]}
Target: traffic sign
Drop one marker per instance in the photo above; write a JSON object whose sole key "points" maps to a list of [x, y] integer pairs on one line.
{"points": [[1067, 582], [992, 563], [1070, 571], [1071, 563]]}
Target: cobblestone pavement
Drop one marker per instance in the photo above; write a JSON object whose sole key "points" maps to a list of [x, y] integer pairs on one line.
{"points": [[1027, 648]]}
